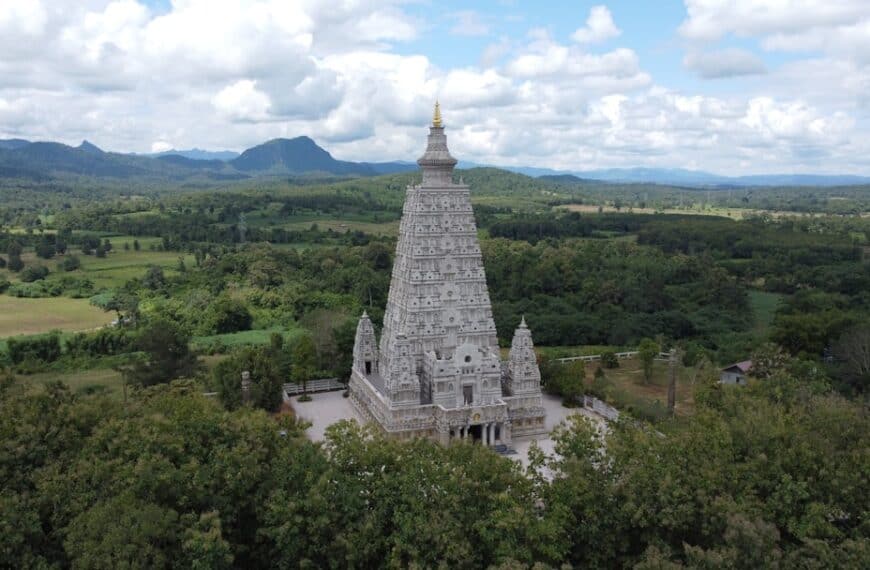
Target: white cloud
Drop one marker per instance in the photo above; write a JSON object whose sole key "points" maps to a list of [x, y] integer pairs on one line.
{"points": [[231, 74], [161, 146], [468, 23], [26, 18], [724, 63], [242, 101], [599, 27], [712, 19]]}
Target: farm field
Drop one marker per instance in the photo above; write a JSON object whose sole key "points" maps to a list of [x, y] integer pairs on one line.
{"points": [[20, 316], [734, 213]]}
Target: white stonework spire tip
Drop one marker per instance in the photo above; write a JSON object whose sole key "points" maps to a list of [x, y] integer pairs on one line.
{"points": [[365, 315], [523, 323]]}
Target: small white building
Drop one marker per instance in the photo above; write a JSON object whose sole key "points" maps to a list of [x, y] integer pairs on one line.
{"points": [[735, 373]]}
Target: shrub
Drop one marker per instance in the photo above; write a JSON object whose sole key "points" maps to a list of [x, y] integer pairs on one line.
{"points": [[104, 342], [227, 315], [37, 290], [70, 263], [4, 284], [41, 348], [609, 359], [34, 273], [2, 262]]}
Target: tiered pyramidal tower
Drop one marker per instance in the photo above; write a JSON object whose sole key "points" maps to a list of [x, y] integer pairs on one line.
{"points": [[437, 372]]}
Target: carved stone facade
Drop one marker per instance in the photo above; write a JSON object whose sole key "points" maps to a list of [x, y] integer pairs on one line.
{"points": [[437, 372]]}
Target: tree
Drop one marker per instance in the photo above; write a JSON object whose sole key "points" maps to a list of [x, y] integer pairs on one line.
{"points": [[304, 361], [100, 251], [648, 350], [227, 315], [15, 264], [265, 364], [852, 352], [2, 262], [70, 263], [154, 278], [136, 245], [34, 273], [167, 354], [768, 359], [45, 249]]}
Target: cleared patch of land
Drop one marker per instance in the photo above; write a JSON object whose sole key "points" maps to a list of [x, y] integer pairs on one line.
{"points": [[31, 316], [763, 305], [104, 380], [626, 388], [254, 337]]}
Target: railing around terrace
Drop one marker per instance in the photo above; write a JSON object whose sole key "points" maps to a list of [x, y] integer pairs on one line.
{"points": [[619, 355], [319, 385]]}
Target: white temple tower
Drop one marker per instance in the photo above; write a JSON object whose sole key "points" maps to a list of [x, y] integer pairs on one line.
{"points": [[438, 372]]}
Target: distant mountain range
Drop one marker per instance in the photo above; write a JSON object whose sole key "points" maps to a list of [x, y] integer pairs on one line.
{"points": [[198, 154], [301, 155], [692, 178], [20, 158]]}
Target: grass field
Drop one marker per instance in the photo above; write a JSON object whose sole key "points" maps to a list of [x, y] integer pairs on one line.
{"points": [[116, 268], [99, 379], [108, 380], [31, 316], [627, 387], [763, 305], [255, 337]]}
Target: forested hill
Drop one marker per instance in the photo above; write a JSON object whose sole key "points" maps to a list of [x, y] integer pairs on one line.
{"points": [[23, 159]]}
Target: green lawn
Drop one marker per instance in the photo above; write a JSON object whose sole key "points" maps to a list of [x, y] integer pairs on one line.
{"points": [[31, 316], [763, 307]]}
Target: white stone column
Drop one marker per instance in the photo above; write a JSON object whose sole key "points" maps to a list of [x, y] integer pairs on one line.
{"points": [[489, 433]]}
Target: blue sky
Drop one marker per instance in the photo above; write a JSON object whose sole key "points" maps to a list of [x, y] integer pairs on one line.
{"points": [[729, 86]]}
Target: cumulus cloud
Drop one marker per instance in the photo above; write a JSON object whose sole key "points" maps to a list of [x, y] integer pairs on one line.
{"points": [[231, 74], [599, 27], [242, 101], [724, 63], [712, 19]]}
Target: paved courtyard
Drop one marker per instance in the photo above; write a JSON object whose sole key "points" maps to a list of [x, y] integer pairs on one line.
{"points": [[326, 408]]}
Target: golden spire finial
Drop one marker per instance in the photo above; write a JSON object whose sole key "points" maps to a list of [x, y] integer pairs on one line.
{"points": [[436, 118]]}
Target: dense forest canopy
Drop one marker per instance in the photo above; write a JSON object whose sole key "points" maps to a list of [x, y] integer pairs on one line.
{"points": [[269, 277]]}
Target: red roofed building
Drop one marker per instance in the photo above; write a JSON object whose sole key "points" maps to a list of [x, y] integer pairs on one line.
{"points": [[735, 373]]}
